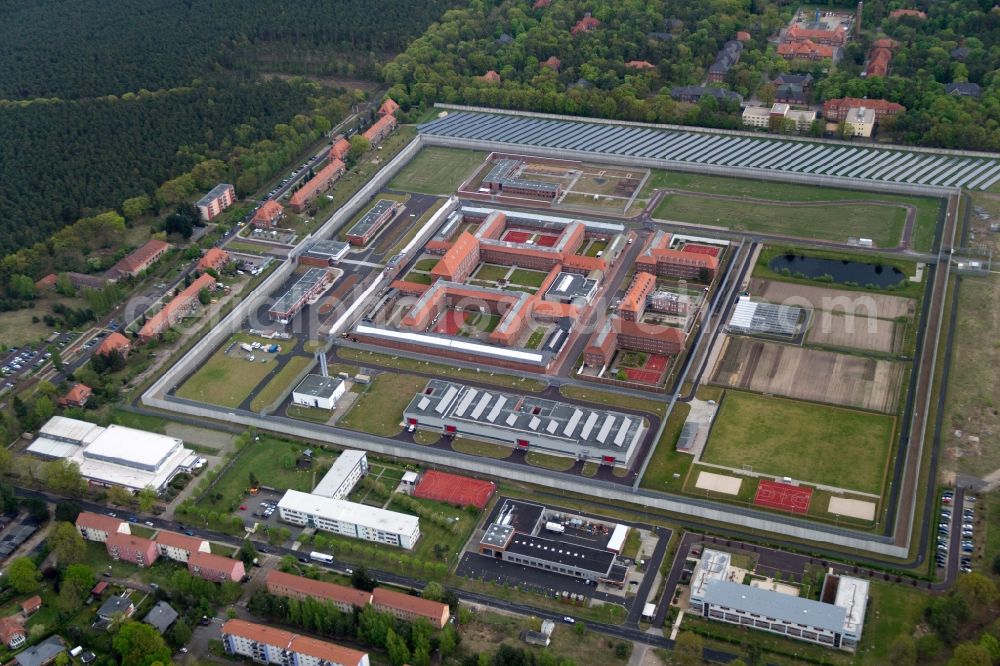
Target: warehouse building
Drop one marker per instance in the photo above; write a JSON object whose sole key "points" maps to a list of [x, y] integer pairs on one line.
{"points": [[527, 422], [310, 286], [357, 521], [349, 467], [372, 221], [115, 456], [318, 391]]}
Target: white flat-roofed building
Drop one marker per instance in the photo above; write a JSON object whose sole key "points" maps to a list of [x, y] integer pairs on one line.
{"points": [[116, 456], [757, 116], [344, 474], [713, 565], [860, 121], [318, 391], [358, 521], [852, 596]]}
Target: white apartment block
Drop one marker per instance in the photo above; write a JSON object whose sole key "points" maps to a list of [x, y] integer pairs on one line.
{"points": [[344, 474], [349, 519]]}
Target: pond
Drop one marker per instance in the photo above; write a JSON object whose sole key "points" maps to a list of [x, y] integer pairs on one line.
{"points": [[841, 270]]}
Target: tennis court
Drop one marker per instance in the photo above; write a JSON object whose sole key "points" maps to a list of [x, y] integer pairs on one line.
{"points": [[783, 496], [458, 490]]}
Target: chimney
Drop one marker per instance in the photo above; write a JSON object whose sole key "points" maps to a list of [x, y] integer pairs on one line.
{"points": [[857, 18]]}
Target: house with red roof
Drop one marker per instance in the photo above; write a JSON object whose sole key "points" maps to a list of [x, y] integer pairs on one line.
{"points": [[388, 108], [805, 50], [270, 645], [31, 606], [98, 527], [134, 549], [408, 608], [180, 547], [215, 568], [115, 343], [640, 64], [339, 149], [77, 396], [139, 260], [743, 36], [586, 24], [12, 632], [490, 77], [915, 13], [552, 63], [179, 307], [214, 259], [268, 215], [346, 599], [47, 282], [318, 184], [382, 128]]}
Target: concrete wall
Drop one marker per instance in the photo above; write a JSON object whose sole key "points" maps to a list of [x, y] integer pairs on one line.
{"points": [[720, 132]]}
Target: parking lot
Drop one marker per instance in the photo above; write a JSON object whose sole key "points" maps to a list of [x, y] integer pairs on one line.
{"points": [[956, 531]]}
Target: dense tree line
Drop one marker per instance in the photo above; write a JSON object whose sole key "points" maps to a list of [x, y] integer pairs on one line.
{"points": [[681, 40], [54, 48], [61, 161]]}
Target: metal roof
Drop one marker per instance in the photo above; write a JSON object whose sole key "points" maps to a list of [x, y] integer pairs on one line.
{"points": [[671, 145], [775, 605]]}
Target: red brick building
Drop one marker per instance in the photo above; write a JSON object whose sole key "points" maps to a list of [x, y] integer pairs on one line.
{"points": [[634, 302], [659, 259], [490, 77], [552, 63], [77, 396], [382, 128], [215, 568], [836, 37], [346, 599], [134, 549], [457, 263], [115, 343], [618, 333], [268, 215], [339, 149], [318, 184], [640, 64], [388, 108], [586, 24], [805, 50], [835, 110], [221, 197], [178, 308], [139, 260]]}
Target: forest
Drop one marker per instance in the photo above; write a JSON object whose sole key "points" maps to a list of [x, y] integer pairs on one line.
{"points": [[54, 48], [680, 39]]}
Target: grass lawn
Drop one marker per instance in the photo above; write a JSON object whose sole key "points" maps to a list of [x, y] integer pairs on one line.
{"points": [[556, 463], [225, 380], [485, 449], [632, 543], [895, 610], [658, 407], [17, 327], [304, 413], [426, 264], [882, 224], [590, 469], [146, 422], [535, 338], [379, 410], [595, 247], [418, 278], [413, 365], [482, 321], [280, 384], [491, 273], [426, 436], [929, 210], [808, 442], [273, 462], [633, 359], [437, 170], [667, 461], [526, 278]]}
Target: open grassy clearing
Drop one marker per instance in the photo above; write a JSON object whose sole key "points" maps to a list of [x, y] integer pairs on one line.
{"points": [[460, 374], [555, 463], [17, 326], [437, 170], [418, 278], [226, 380], [379, 410], [897, 610], [527, 277], [281, 383], [666, 460], [426, 264], [304, 413], [882, 224], [808, 442], [613, 400], [492, 273], [485, 449]]}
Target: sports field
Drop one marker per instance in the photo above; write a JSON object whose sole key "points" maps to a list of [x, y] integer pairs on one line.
{"points": [[812, 443], [883, 224], [437, 170]]}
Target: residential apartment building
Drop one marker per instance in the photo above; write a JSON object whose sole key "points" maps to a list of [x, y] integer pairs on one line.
{"points": [[182, 305], [12, 632], [382, 128], [139, 260], [634, 302], [221, 197], [215, 568], [269, 645], [268, 215], [316, 185], [134, 549], [836, 110], [349, 467], [658, 258], [860, 122], [214, 259], [346, 599], [98, 527], [408, 608], [357, 521], [180, 547]]}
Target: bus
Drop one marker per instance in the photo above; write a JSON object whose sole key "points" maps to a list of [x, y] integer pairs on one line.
{"points": [[321, 557]]}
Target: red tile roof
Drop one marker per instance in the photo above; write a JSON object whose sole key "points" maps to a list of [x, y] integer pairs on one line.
{"points": [[318, 589], [878, 62], [181, 541], [408, 603], [743, 36], [77, 395], [540, 4], [141, 258], [213, 259], [331, 171], [176, 308], [32, 604], [47, 281], [647, 330], [552, 63], [585, 24], [465, 245], [115, 342], [835, 37], [270, 211], [339, 149], [213, 562], [97, 521], [491, 77], [372, 132], [261, 633], [389, 107], [10, 627], [100, 587], [131, 542], [640, 64], [841, 105], [805, 49], [636, 295]]}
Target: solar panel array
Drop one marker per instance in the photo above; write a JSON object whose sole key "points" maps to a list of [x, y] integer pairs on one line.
{"points": [[861, 163]]}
